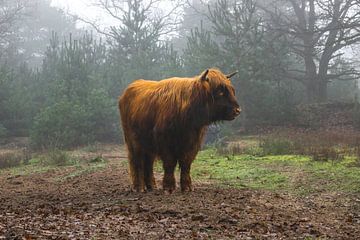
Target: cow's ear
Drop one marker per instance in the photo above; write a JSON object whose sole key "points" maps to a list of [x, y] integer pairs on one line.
{"points": [[231, 74], [203, 76]]}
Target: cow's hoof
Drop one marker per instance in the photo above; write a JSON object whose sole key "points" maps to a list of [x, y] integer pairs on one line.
{"points": [[187, 188], [150, 188], [169, 185], [168, 191], [138, 189]]}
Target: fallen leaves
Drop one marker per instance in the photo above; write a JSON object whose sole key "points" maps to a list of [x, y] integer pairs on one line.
{"points": [[99, 205]]}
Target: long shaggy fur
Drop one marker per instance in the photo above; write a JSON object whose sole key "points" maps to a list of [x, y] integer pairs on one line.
{"points": [[167, 119]]}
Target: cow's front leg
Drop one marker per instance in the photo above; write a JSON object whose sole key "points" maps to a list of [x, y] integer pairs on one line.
{"points": [[136, 164], [185, 179], [149, 173], [169, 184]]}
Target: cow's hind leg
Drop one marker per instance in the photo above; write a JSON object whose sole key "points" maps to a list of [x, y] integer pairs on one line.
{"points": [[149, 173], [185, 179], [136, 164], [169, 165]]}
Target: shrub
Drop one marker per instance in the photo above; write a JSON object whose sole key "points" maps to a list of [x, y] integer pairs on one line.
{"points": [[97, 159], [325, 154], [276, 145], [229, 148], [356, 115], [9, 160], [57, 157], [14, 159], [249, 147], [357, 151], [321, 145], [72, 123], [93, 148], [62, 125], [310, 142], [3, 133], [103, 116]]}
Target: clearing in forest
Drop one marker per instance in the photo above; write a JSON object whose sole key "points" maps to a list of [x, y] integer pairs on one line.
{"points": [[235, 197]]}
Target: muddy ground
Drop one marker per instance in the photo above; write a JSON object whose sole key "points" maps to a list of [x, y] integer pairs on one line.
{"points": [[99, 205]]}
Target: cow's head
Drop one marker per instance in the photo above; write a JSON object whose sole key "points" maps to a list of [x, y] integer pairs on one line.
{"points": [[223, 104]]}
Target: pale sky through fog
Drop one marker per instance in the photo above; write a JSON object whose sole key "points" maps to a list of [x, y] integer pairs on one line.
{"points": [[83, 9]]}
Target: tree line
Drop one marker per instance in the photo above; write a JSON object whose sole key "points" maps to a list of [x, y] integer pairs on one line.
{"points": [[65, 94]]}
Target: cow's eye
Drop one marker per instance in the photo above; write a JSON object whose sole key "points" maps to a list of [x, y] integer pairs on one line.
{"points": [[221, 92]]}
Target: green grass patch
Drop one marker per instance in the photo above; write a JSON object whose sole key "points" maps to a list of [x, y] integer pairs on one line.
{"points": [[84, 169], [24, 170], [298, 174], [291, 173], [334, 176], [60, 162], [238, 170]]}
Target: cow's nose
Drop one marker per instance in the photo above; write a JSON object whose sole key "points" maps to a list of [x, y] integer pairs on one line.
{"points": [[237, 111]]}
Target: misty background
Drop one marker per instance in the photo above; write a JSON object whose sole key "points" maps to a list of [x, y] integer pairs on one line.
{"points": [[63, 64]]}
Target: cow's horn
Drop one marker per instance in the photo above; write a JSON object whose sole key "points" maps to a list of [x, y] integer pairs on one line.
{"points": [[204, 75], [231, 74]]}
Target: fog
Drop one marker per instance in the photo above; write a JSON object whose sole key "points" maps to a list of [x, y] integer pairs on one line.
{"points": [[286, 55], [179, 119], [84, 9]]}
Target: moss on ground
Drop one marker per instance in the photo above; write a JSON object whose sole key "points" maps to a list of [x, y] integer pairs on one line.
{"points": [[290, 173], [61, 162], [299, 174]]}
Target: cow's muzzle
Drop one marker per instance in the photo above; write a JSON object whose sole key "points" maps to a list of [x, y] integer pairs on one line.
{"points": [[233, 113], [237, 111]]}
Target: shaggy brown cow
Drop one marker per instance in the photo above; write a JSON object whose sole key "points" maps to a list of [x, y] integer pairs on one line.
{"points": [[167, 119]]}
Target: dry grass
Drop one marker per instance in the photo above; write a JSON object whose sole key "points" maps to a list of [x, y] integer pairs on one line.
{"points": [[10, 159], [321, 145]]}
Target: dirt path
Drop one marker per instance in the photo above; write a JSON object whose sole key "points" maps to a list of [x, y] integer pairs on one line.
{"points": [[99, 206]]}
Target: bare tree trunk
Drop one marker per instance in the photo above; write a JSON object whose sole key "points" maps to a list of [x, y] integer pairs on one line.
{"points": [[322, 95], [316, 88], [311, 74], [319, 30], [311, 91], [316, 91]]}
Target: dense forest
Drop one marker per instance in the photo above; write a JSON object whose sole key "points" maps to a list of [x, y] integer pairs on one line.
{"points": [[59, 83], [286, 168]]}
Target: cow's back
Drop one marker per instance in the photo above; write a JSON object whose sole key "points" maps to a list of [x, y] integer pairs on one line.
{"points": [[155, 102], [154, 115], [134, 102], [137, 113]]}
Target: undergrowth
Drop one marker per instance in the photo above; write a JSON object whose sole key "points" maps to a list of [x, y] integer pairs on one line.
{"points": [[54, 159], [320, 145], [12, 159], [294, 173], [57, 157]]}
